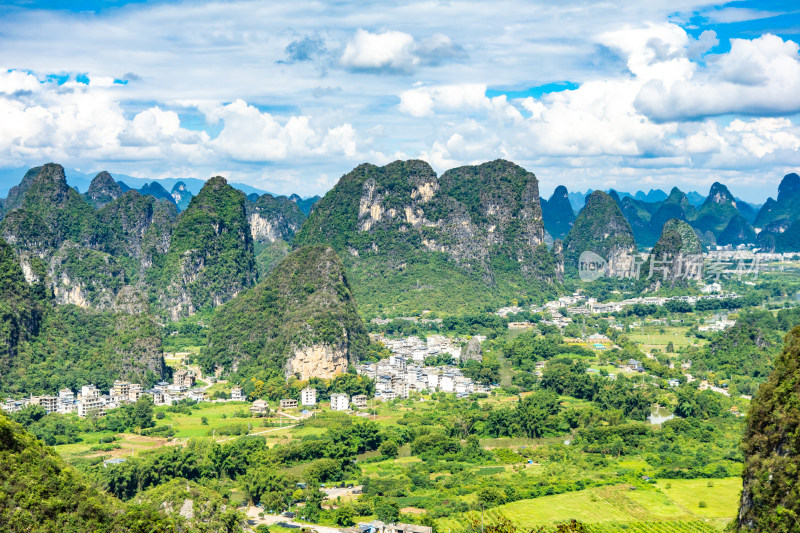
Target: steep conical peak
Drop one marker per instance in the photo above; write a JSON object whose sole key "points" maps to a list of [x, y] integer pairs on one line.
{"points": [[560, 192], [789, 187], [600, 228], [179, 187], [103, 189], [557, 213], [301, 319], [719, 194], [676, 196]]}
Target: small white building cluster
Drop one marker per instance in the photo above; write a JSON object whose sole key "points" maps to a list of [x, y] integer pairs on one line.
{"points": [[90, 400], [415, 349], [396, 377]]}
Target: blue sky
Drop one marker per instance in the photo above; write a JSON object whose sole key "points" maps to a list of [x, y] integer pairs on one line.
{"points": [[288, 97]]}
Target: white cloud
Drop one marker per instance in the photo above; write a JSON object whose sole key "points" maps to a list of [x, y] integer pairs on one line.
{"points": [[650, 97], [758, 77], [391, 50]]}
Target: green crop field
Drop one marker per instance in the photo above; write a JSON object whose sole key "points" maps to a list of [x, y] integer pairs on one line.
{"points": [[619, 508]]}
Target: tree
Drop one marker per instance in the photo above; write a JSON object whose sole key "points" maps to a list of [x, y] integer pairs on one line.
{"points": [[143, 413], [389, 448], [266, 486], [387, 511], [344, 516]]}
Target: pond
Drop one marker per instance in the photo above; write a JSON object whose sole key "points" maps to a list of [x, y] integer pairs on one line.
{"points": [[659, 415]]}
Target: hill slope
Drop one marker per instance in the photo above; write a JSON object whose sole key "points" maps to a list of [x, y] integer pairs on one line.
{"points": [[40, 492], [412, 241], [770, 499], [600, 228], [210, 257], [300, 320]]}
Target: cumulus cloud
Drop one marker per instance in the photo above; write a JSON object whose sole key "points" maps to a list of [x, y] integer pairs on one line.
{"points": [[397, 52], [757, 77]]}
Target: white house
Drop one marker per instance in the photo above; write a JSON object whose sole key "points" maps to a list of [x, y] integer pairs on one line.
{"points": [[308, 396], [340, 402]]}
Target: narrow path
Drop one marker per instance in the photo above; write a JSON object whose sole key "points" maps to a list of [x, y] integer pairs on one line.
{"points": [[257, 433]]}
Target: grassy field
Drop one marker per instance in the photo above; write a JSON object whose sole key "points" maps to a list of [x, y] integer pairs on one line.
{"points": [[649, 337], [618, 505]]}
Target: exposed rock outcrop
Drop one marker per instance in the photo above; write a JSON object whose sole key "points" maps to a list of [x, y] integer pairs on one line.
{"points": [[301, 319], [318, 360], [103, 190]]}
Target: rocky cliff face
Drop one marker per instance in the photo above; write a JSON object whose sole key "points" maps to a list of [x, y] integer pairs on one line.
{"points": [[600, 228], [318, 360], [210, 258], [301, 320], [677, 257], [20, 312], [771, 445], [274, 219], [479, 225], [103, 190]]}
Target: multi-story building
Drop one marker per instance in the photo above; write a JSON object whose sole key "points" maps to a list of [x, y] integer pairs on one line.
{"points": [[339, 402], [121, 389], [135, 392], [237, 394], [360, 401], [89, 391], [50, 403], [308, 396], [183, 377], [288, 403], [66, 395], [89, 405]]}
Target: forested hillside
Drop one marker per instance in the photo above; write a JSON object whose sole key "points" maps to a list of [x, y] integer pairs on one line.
{"points": [[412, 241]]}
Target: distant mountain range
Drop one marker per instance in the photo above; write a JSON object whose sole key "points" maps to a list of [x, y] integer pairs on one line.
{"points": [[81, 181]]}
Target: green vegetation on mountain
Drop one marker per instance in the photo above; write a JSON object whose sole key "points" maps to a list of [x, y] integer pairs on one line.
{"points": [[210, 257], [103, 190], [445, 243], [20, 309], [273, 223], [49, 213], [304, 302], [40, 492], [786, 207], [600, 228], [676, 259], [738, 231], [770, 499], [77, 346], [717, 211], [203, 509], [780, 236]]}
